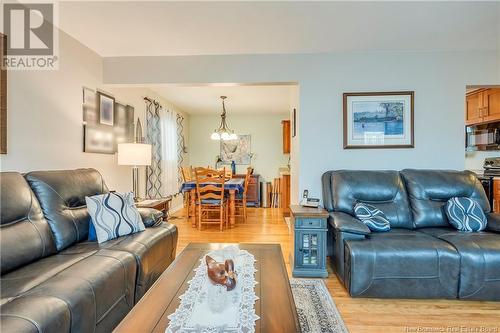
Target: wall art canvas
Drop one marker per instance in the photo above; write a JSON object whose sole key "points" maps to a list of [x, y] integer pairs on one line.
{"points": [[98, 139], [106, 106], [124, 123], [378, 120], [106, 123], [236, 150]]}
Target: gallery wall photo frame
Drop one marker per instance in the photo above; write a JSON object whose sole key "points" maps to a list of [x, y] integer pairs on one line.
{"points": [[294, 123], [105, 108], [378, 120]]}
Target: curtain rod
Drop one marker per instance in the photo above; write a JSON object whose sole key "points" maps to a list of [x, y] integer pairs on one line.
{"points": [[156, 103]]}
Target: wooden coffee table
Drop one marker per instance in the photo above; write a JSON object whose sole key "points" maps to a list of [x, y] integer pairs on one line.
{"points": [[275, 306]]}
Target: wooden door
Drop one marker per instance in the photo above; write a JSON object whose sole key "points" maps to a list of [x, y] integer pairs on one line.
{"points": [[286, 136], [491, 102], [473, 108]]}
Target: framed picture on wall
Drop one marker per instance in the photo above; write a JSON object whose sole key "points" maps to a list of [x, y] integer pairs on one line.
{"points": [[378, 120], [106, 108], [294, 123]]}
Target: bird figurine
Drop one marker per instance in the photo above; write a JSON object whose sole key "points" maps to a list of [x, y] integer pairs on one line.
{"points": [[221, 273]]}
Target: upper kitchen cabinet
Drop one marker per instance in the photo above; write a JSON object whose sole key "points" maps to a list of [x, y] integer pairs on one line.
{"points": [[286, 136], [482, 106]]}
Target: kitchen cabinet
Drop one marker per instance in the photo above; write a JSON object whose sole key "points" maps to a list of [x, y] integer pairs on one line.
{"points": [[482, 106], [286, 136]]}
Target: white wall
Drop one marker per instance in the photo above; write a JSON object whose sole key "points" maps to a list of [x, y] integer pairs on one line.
{"points": [[266, 141], [438, 79], [45, 130], [45, 117]]}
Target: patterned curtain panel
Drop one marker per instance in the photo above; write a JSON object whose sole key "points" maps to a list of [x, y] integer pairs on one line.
{"points": [[153, 137], [181, 146], [169, 156]]}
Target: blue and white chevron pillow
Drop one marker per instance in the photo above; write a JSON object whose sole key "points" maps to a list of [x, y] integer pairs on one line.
{"points": [[114, 215], [465, 214], [373, 217]]}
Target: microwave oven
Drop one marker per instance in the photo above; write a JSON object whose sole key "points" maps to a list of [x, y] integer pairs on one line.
{"points": [[483, 137]]}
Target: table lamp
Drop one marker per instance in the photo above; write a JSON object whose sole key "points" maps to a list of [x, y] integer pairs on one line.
{"points": [[134, 154]]}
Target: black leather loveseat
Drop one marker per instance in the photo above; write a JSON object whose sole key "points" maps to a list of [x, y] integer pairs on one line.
{"points": [[422, 256], [52, 278]]}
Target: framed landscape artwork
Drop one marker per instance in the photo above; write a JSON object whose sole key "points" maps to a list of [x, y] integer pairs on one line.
{"points": [[378, 120]]}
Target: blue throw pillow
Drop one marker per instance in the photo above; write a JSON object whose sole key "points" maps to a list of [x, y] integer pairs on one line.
{"points": [[113, 215], [372, 217], [465, 214], [92, 234]]}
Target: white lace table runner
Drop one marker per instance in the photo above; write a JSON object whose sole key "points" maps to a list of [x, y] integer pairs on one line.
{"points": [[208, 308]]}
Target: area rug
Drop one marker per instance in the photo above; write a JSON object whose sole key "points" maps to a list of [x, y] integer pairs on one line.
{"points": [[315, 307]]}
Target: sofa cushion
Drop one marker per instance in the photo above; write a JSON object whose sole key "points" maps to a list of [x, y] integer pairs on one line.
{"points": [[35, 315], [479, 261], [153, 249], [24, 279], [114, 215], [401, 264], [373, 217], [465, 214], [62, 197], [25, 234], [382, 189], [429, 190], [98, 289]]}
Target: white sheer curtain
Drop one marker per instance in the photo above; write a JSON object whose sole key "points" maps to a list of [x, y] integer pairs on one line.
{"points": [[168, 128]]}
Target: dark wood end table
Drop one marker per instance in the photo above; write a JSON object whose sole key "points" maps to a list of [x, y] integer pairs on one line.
{"points": [[162, 205]]}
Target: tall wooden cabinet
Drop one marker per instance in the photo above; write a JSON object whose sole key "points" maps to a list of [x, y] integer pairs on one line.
{"points": [[482, 106], [286, 136]]}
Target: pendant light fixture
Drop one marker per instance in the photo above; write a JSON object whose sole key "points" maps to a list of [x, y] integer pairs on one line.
{"points": [[223, 132]]}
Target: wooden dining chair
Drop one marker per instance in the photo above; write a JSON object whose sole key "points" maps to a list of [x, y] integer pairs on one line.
{"points": [[211, 204], [240, 202], [187, 176], [228, 174]]}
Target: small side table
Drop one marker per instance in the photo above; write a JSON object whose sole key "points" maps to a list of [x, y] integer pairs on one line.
{"points": [[162, 205], [310, 226]]}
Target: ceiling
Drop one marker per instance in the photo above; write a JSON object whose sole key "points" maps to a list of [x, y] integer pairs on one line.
{"points": [[142, 28], [240, 98]]}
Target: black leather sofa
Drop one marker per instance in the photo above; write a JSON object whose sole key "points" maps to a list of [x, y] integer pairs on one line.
{"points": [[422, 256], [52, 278]]}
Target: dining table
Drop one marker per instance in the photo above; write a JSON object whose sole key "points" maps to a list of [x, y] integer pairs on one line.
{"points": [[231, 186]]}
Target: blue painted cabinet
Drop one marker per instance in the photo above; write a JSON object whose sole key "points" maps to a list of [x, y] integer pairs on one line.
{"points": [[310, 241]]}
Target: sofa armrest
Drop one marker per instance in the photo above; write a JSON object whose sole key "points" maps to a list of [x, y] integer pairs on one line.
{"points": [[347, 223], [151, 217], [493, 222]]}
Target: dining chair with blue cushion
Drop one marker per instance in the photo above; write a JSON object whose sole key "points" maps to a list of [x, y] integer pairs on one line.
{"points": [[212, 206]]}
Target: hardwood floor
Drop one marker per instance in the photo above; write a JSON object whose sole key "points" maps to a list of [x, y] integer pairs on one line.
{"points": [[266, 225]]}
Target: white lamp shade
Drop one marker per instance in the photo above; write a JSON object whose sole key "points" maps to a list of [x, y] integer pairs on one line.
{"points": [[134, 154]]}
